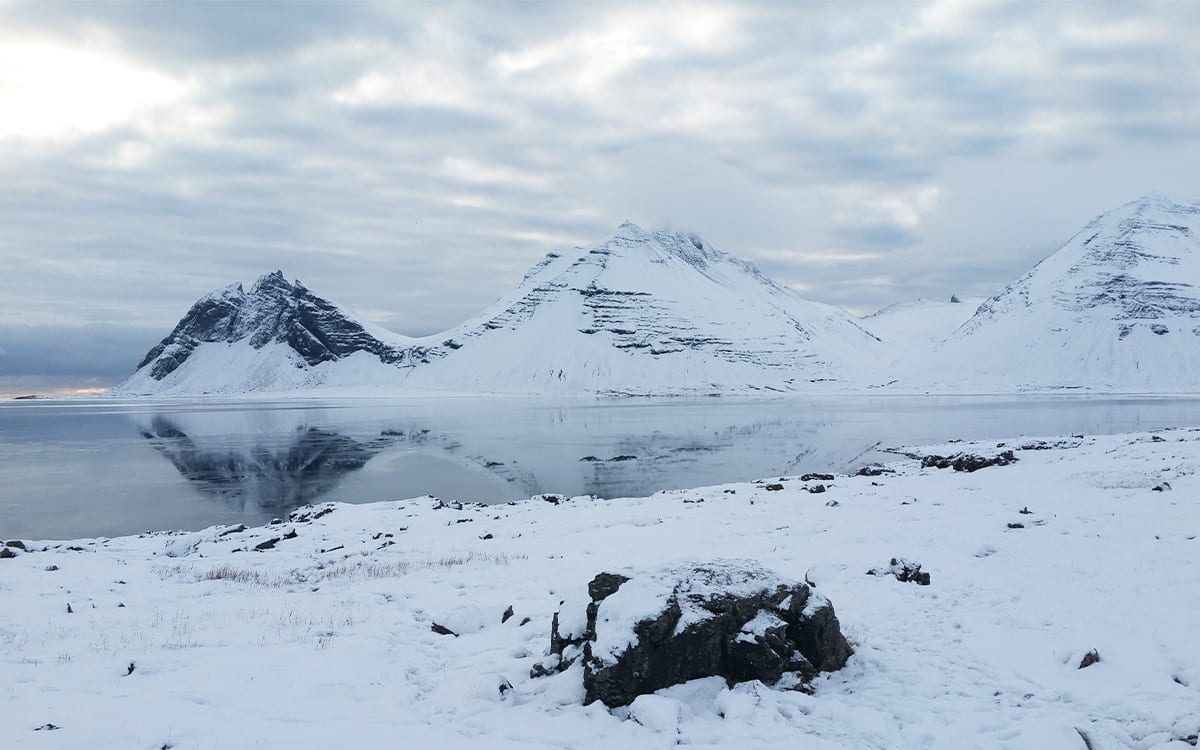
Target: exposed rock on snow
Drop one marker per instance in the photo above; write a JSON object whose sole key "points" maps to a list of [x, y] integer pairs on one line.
{"points": [[905, 571], [967, 461], [732, 619]]}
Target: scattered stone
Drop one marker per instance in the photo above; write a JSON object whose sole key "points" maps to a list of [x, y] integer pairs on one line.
{"points": [[905, 571], [1090, 658], [276, 521], [1165, 486], [6, 553], [623, 458], [874, 470], [524, 621], [233, 530], [817, 489], [47, 728], [774, 487], [487, 536], [442, 630], [306, 515], [1016, 526], [75, 549], [291, 534], [505, 686], [16, 544], [589, 459], [50, 568], [1025, 511], [69, 610], [818, 477], [267, 544], [968, 461], [730, 492], [131, 668], [552, 499], [731, 619], [508, 613], [831, 503], [334, 549]]}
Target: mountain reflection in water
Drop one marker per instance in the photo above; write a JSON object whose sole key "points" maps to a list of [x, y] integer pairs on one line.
{"points": [[277, 475], [96, 467]]}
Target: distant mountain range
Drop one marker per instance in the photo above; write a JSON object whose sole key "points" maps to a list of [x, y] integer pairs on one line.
{"points": [[1116, 309]]}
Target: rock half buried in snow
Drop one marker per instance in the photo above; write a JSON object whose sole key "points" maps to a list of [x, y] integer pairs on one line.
{"points": [[644, 631]]}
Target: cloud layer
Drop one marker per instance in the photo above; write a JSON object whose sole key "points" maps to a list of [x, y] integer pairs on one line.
{"points": [[411, 161]]}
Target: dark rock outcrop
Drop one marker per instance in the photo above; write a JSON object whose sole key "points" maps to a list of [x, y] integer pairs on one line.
{"points": [[273, 311], [649, 630], [968, 461]]}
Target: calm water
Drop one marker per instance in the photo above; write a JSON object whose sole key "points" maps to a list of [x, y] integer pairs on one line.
{"points": [[107, 467]]}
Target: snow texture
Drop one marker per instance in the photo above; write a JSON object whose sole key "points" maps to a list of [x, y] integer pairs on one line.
{"points": [[318, 632]]}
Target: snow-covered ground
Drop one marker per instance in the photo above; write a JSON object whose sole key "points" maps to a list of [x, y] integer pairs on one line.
{"points": [[198, 640]]}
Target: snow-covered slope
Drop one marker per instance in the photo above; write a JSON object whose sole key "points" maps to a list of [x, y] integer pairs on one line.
{"points": [[919, 324], [649, 312], [1116, 309], [641, 313]]}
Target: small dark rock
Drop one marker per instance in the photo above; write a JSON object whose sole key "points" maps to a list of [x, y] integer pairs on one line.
{"points": [[1016, 526], [50, 568], [1090, 658], [508, 613], [773, 487], [873, 471], [1165, 486], [905, 571], [69, 610], [47, 728], [291, 534], [131, 668], [6, 553], [524, 621], [487, 536], [233, 530], [442, 630], [623, 458], [1025, 511], [819, 477], [267, 544], [817, 489], [16, 544], [276, 521], [552, 499]]}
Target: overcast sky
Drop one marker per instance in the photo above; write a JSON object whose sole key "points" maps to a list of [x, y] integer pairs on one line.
{"points": [[410, 161]]}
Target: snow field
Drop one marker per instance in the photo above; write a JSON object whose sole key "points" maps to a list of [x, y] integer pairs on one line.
{"points": [[325, 639]]}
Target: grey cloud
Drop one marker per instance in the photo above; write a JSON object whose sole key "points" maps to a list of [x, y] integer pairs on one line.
{"points": [[751, 142]]}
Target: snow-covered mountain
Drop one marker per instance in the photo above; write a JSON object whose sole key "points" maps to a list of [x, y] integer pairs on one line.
{"points": [[1116, 309], [640, 313], [921, 324]]}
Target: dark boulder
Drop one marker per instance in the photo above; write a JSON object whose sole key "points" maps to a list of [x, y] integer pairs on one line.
{"points": [[648, 630]]}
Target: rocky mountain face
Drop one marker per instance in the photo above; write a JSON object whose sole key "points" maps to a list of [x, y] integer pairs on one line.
{"points": [[274, 311], [1117, 308], [641, 313]]}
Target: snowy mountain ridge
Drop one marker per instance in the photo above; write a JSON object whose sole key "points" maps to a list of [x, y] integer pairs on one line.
{"points": [[641, 313], [1117, 308]]}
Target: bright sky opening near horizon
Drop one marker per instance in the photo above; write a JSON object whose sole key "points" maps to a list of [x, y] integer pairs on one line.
{"points": [[410, 161]]}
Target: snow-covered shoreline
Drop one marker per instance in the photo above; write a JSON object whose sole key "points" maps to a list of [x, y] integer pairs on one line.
{"points": [[324, 639]]}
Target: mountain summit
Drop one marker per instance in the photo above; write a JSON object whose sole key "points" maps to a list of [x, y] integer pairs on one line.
{"points": [[641, 313], [1117, 308]]}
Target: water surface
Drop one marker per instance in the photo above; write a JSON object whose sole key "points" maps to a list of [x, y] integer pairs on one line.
{"points": [[106, 467]]}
